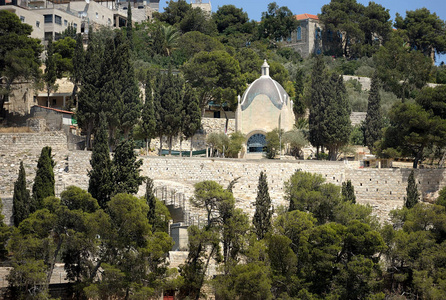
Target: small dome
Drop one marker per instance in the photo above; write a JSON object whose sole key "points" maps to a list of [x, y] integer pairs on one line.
{"points": [[267, 86]]}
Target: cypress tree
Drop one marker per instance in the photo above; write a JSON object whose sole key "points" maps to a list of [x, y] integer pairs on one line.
{"points": [[337, 124], [129, 28], [100, 183], [151, 202], [298, 104], [264, 211], [126, 168], [50, 75], [131, 113], [192, 116], [348, 191], [89, 96], [78, 63], [373, 119], [148, 122], [412, 194], [44, 182], [317, 104], [173, 106], [21, 198]]}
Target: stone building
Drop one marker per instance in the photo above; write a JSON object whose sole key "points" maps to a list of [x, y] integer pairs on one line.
{"points": [[307, 38], [264, 106]]}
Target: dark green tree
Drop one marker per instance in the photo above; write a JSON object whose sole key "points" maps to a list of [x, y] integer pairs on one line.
{"points": [[412, 194], [336, 120], [373, 120], [126, 168], [192, 114], [19, 54], [63, 56], [50, 74], [44, 182], [100, 185], [148, 121], [299, 107], [402, 69], [264, 210], [174, 12], [273, 143], [348, 191], [317, 104], [277, 22], [21, 199], [230, 19], [151, 202], [196, 19], [89, 103], [129, 27], [425, 31], [78, 63]]}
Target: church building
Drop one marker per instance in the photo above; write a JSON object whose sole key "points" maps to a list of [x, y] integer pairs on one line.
{"points": [[264, 106]]}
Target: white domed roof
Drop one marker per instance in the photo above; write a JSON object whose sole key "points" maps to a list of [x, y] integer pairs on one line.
{"points": [[265, 85]]}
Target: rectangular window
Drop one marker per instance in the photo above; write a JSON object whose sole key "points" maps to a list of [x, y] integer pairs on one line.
{"points": [[75, 26], [299, 33], [58, 19], [37, 24], [48, 18], [22, 18], [65, 22]]}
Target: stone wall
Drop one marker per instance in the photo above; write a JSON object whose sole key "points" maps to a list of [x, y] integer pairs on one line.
{"points": [[383, 189]]}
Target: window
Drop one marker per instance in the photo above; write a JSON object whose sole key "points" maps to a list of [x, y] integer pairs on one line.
{"points": [[58, 19], [75, 26], [318, 34], [289, 38], [22, 18], [37, 24], [299, 33], [48, 18], [65, 22], [97, 16]]}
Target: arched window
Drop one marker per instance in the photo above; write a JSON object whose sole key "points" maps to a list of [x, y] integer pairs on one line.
{"points": [[299, 33]]}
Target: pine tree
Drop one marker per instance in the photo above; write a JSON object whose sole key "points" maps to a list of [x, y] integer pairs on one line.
{"points": [[21, 198], [348, 191], [264, 211], [192, 116], [373, 119], [317, 104], [412, 194], [148, 122], [151, 202], [126, 168], [44, 182], [100, 183], [50, 75]]}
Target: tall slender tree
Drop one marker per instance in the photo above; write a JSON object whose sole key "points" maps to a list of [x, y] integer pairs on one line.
{"points": [[336, 120], [148, 121], [317, 104], [50, 75], [348, 191], [373, 120], [89, 96], [126, 168], [151, 202], [412, 194], [192, 116], [21, 198], [100, 183], [44, 182], [78, 63], [264, 211], [129, 31]]}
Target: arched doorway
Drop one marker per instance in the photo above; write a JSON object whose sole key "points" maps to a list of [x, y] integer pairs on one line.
{"points": [[256, 143]]}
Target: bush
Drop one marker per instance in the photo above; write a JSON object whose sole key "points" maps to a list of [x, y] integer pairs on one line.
{"points": [[236, 141], [273, 143]]}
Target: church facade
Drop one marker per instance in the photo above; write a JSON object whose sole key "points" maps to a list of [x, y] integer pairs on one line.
{"points": [[264, 106]]}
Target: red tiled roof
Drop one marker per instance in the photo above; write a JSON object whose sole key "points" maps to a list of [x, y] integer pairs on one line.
{"points": [[55, 109], [306, 16]]}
